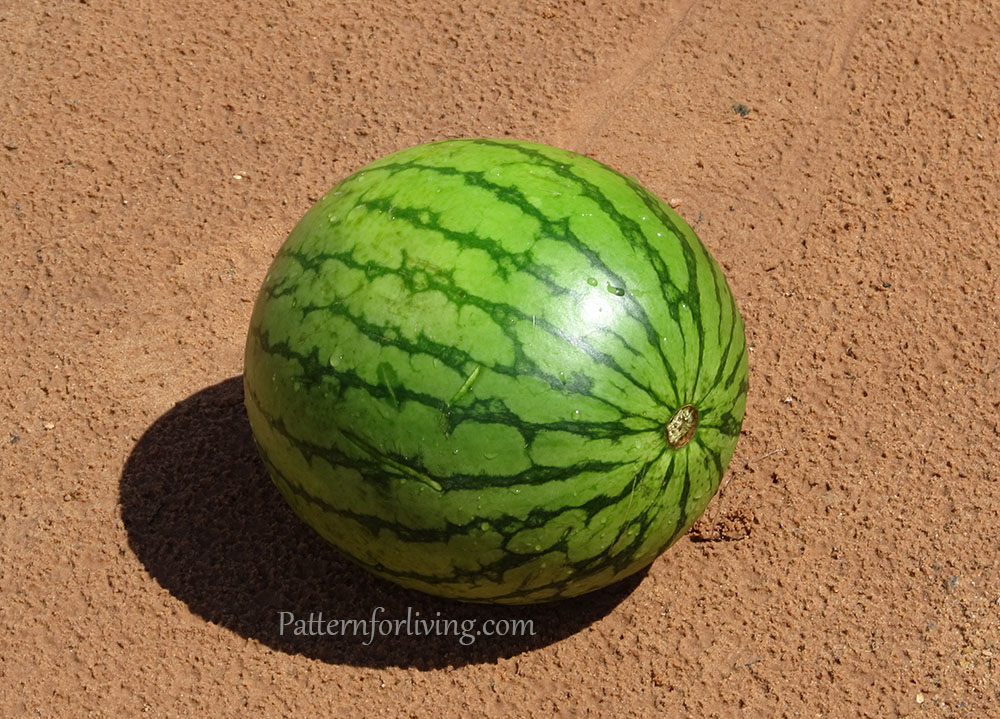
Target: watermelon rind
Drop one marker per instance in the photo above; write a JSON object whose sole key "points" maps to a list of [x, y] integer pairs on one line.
{"points": [[495, 371]]}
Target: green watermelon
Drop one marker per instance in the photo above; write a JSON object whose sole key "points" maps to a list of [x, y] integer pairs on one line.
{"points": [[495, 371]]}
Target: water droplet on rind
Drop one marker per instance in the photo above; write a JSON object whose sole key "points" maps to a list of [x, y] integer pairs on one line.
{"points": [[592, 281], [616, 291]]}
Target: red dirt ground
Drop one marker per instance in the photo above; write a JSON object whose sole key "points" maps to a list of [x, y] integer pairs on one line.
{"points": [[154, 155]]}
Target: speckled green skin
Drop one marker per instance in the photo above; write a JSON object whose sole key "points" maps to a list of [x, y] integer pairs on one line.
{"points": [[462, 362]]}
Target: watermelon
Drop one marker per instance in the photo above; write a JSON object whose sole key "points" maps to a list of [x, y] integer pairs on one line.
{"points": [[495, 371]]}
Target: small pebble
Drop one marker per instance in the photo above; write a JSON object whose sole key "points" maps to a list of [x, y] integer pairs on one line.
{"points": [[49, 425]]}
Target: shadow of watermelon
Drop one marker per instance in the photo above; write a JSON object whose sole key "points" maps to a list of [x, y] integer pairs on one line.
{"points": [[210, 527]]}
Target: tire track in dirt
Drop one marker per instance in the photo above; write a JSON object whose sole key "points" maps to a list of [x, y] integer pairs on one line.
{"points": [[831, 92], [611, 82], [18, 29], [843, 40], [674, 90]]}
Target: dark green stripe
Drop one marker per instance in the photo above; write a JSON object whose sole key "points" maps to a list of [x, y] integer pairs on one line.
{"points": [[454, 357], [484, 410], [507, 526], [558, 229], [722, 364], [632, 234], [682, 516], [385, 465]]}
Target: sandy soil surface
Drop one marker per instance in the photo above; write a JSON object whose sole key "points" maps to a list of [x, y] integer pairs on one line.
{"points": [[154, 155]]}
